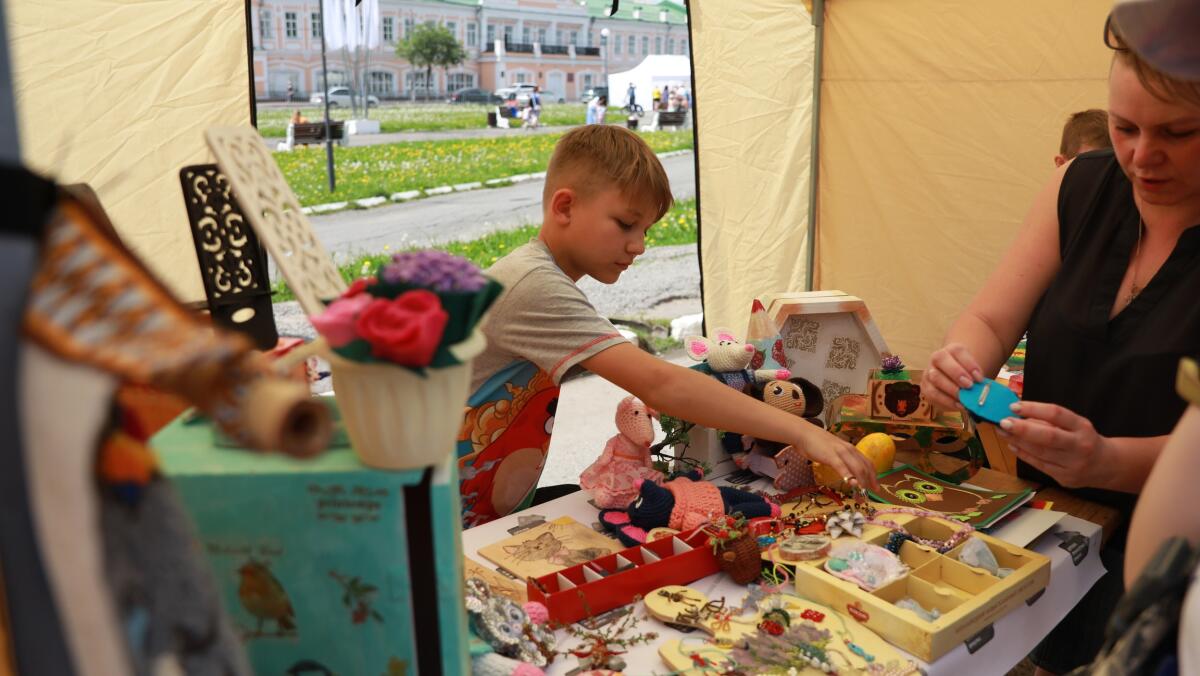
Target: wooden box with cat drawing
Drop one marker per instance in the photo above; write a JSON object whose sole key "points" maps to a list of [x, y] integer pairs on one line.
{"points": [[941, 601]]}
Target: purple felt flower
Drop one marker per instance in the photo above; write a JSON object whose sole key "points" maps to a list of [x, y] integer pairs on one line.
{"points": [[435, 270], [892, 364]]}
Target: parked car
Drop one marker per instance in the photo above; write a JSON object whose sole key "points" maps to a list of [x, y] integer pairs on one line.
{"points": [[340, 96], [592, 92], [474, 95], [522, 90]]}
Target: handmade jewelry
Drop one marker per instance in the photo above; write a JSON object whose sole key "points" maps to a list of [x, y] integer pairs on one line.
{"points": [[866, 565], [602, 649], [812, 615], [845, 521], [803, 547], [962, 532]]}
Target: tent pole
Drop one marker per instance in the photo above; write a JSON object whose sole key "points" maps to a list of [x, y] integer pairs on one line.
{"points": [[818, 20]]}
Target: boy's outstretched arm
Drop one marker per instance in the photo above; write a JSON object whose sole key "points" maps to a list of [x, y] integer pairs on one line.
{"points": [[684, 393]]}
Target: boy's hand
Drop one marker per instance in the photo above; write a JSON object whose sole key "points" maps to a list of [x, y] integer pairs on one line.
{"points": [[839, 455]]}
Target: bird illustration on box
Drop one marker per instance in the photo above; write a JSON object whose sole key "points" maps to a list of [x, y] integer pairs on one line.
{"points": [[265, 598]]}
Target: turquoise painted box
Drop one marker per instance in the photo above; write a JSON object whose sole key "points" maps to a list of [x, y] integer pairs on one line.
{"points": [[327, 566]]}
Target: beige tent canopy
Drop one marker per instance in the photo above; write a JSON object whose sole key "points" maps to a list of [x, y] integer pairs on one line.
{"points": [[938, 121], [117, 95]]}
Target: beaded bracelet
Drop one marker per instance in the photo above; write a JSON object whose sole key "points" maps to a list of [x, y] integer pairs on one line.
{"points": [[941, 546]]}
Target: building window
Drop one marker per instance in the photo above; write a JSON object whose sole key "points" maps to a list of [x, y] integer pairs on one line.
{"points": [[408, 26], [525, 35], [658, 44], [291, 27], [645, 45], [587, 80], [491, 34], [508, 32], [452, 28], [461, 81], [389, 29], [415, 79], [265, 32], [315, 21], [430, 22], [670, 45], [470, 35], [632, 45], [616, 43], [336, 78], [382, 84], [541, 36], [574, 38], [683, 47], [521, 77]]}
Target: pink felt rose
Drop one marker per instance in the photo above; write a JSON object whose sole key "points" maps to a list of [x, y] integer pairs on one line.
{"points": [[405, 330], [336, 323], [358, 286]]}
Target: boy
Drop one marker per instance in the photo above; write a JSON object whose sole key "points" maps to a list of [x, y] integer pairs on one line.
{"points": [[604, 189], [1084, 131]]}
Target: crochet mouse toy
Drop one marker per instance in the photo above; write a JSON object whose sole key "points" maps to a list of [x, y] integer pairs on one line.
{"points": [[682, 503], [728, 359], [614, 478]]}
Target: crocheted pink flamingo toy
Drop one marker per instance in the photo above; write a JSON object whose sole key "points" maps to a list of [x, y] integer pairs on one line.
{"points": [[613, 479]]}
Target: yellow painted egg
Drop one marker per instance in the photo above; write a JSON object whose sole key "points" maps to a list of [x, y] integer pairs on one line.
{"points": [[880, 448]]}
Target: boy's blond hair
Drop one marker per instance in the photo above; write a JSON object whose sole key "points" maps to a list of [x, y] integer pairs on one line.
{"points": [[595, 157], [1085, 128]]}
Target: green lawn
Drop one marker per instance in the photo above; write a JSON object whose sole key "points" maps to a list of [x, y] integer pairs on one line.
{"points": [[272, 122], [370, 171], [677, 226]]}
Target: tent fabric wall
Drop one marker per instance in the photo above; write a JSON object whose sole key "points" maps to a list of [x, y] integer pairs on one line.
{"points": [[939, 123], [753, 70], [118, 95]]}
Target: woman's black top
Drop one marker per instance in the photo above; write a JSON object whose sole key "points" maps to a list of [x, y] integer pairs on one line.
{"points": [[1118, 373]]}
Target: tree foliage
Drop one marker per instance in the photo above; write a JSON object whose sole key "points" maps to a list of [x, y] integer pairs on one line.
{"points": [[428, 46]]}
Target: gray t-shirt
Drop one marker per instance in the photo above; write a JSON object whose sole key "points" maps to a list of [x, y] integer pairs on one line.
{"points": [[541, 317]]}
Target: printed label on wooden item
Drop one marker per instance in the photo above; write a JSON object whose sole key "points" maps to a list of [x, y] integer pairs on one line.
{"points": [[347, 504]]}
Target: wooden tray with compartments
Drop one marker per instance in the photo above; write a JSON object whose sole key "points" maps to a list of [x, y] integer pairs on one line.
{"points": [[614, 580], [968, 598]]}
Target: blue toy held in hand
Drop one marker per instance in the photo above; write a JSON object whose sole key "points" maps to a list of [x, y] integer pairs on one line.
{"points": [[989, 401]]}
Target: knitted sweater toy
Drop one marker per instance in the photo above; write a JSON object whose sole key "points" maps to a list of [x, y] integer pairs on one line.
{"points": [[682, 504]]}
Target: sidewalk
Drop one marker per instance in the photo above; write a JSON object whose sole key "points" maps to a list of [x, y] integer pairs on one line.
{"points": [[399, 136]]}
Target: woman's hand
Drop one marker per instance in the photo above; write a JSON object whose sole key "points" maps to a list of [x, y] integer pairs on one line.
{"points": [[839, 455], [1057, 441], [951, 369]]}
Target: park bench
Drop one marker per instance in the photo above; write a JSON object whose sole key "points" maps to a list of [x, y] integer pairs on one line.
{"points": [[305, 133], [668, 118]]}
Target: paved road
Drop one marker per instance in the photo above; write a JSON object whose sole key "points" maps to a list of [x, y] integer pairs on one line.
{"points": [[456, 216], [450, 134]]}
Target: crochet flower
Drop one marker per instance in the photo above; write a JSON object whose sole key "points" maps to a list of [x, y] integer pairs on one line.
{"points": [[436, 270], [405, 330], [892, 364], [337, 322]]}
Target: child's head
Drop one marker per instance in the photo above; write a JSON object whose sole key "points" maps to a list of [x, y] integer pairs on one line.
{"points": [[1084, 131], [604, 188]]}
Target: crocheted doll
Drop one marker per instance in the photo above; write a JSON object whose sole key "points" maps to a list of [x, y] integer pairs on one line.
{"points": [[728, 360], [785, 465], [614, 478], [682, 503]]}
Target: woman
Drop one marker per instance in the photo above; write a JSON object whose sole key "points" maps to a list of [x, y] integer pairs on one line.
{"points": [[1105, 274]]}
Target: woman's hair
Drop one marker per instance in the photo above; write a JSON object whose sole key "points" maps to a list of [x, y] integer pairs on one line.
{"points": [[1162, 86]]}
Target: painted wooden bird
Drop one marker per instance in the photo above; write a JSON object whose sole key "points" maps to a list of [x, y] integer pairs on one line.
{"points": [[264, 598]]}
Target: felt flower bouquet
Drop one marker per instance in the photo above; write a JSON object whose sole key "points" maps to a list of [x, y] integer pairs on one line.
{"points": [[399, 344], [410, 313]]}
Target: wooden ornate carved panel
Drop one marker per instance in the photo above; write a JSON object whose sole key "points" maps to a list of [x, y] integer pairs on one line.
{"points": [[271, 207], [233, 264]]}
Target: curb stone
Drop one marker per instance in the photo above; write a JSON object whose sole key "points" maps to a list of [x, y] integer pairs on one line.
{"points": [[440, 190], [405, 196]]}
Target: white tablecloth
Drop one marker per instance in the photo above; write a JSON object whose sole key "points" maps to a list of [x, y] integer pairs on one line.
{"points": [[1015, 635]]}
